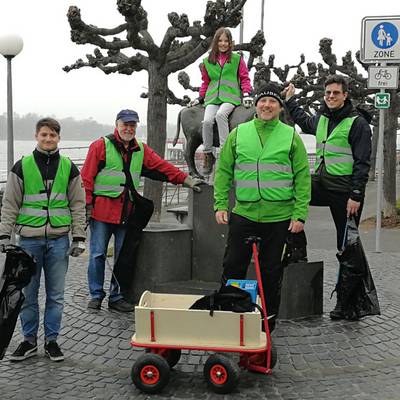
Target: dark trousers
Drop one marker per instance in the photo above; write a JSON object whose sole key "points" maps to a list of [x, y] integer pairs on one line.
{"points": [[238, 255], [337, 203]]}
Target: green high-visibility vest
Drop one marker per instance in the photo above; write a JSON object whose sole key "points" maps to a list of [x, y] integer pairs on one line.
{"points": [[263, 172], [334, 149], [110, 181], [39, 207], [224, 82]]}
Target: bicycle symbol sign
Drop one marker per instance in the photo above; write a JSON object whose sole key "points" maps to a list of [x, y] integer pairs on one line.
{"points": [[383, 73], [383, 77]]}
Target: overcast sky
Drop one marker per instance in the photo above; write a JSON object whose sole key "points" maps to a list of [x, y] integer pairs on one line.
{"points": [[40, 86]]}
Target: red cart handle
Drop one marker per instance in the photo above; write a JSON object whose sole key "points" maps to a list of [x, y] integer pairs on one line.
{"points": [[254, 241]]}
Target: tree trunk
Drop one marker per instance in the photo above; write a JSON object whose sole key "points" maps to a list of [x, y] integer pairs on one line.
{"points": [[156, 130], [372, 171], [389, 159]]}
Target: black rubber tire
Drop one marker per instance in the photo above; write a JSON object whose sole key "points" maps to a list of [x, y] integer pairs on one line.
{"points": [[274, 356], [221, 373], [157, 375], [171, 355]]}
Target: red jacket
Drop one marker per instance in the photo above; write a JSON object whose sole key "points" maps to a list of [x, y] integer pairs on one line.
{"points": [[112, 210]]}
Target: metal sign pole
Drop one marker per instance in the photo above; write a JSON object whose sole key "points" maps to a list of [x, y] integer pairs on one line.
{"points": [[380, 43], [379, 157]]}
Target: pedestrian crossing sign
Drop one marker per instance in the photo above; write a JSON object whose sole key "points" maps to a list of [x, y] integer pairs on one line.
{"points": [[382, 100]]}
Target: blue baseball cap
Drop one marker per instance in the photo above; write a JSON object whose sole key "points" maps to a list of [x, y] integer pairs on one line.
{"points": [[128, 116]]}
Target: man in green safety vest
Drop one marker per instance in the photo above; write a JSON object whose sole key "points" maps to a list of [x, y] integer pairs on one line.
{"points": [[44, 202], [342, 157], [111, 172], [266, 162]]}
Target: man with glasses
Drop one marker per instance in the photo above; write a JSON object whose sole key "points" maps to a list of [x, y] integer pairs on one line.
{"points": [[343, 155], [113, 165]]}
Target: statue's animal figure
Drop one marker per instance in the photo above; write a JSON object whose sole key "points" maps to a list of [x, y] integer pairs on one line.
{"points": [[191, 119]]}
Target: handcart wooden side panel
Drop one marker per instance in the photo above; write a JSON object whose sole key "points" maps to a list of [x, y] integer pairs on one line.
{"points": [[165, 320]]}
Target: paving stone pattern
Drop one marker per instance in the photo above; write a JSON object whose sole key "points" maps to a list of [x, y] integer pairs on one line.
{"points": [[317, 358]]}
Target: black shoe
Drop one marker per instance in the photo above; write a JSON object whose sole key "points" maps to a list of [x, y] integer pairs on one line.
{"points": [[337, 312], [121, 305], [94, 304], [24, 351], [53, 351]]}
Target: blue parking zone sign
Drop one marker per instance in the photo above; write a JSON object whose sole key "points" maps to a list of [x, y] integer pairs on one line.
{"points": [[384, 35]]}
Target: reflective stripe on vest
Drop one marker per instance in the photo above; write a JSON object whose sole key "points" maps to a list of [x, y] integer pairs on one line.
{"points": [[38, 207], [224, 83], [110, 181], [263, 172], [335, 149]]}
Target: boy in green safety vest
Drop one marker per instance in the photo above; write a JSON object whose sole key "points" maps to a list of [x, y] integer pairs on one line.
{"points": [[343, 154], [44, 201], [266, 162], [225, 80]]}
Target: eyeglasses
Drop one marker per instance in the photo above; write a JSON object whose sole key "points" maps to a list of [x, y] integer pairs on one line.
{"points": [[332, 92]]}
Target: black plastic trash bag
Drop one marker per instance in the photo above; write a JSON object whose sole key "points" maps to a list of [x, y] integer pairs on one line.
{"points": [[19, 268], [228, 298], [295, 248], [355, 288], [124, 268]]}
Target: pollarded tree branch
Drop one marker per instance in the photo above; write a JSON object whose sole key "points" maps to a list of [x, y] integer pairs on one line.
{"points": [[137, 33], [179, 28], [184, 80], [189, 58], [120, 63], [171, 98], [82, 33], [254, 47], [218, 14]]}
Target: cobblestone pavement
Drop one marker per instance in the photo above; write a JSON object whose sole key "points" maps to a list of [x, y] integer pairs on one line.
{"points": [[317, 358]]}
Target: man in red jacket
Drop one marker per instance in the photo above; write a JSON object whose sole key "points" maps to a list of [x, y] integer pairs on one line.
{"points": [[112, 164]]}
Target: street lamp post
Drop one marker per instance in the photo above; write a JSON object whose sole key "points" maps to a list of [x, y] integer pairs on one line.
{"points": [[10, 46]]}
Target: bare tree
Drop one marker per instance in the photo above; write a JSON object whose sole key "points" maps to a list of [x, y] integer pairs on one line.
{"points": [[162, 60]]}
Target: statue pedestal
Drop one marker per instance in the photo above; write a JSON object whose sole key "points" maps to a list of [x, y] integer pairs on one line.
{"points": [[302, 289], [164, 255]]}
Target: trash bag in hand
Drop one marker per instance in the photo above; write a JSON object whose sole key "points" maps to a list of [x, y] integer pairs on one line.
{"points": [[355, 288], [295, 248], [18, 271], [125, 266]]}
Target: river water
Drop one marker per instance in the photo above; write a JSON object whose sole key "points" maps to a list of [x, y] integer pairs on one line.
{"points": [[76, 150]]}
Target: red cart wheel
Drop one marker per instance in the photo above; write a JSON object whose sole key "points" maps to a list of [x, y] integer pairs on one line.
{"points": [[150, 373], [221, 373]]}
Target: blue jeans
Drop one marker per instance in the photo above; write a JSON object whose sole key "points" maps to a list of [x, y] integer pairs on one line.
{"points": [[51, 257], [100, 235]]}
